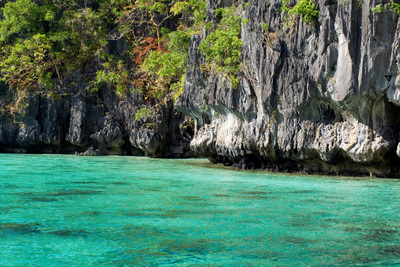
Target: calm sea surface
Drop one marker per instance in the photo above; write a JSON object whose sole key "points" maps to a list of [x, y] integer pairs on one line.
{"points": [[127, 211]]}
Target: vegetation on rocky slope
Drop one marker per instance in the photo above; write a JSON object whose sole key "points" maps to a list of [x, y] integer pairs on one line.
{"points": [[46, 44]]}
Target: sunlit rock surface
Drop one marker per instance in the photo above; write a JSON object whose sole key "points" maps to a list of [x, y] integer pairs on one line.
{"points": [[315, 98]]}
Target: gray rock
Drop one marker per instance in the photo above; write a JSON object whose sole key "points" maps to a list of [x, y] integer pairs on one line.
{"points": [[91, 152], [78, 113], [73, 123], [312, 98], [110, 139]]}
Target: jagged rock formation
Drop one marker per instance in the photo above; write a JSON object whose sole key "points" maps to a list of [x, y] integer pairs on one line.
{"points": [[89, 124], [320, 98]]}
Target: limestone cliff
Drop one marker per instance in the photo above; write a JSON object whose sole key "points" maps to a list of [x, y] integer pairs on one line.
{"points": [[318, 98], [100, 124]]}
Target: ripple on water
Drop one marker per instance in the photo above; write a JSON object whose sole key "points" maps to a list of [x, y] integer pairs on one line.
{"points": [[73, 192], [391, 250], [305, 191], [250, 221], [69, 233], [193, 198], [263, 254], [91, 213], [256, 193], [353, 229], [43, 199], [221, 195], [146, 232], [84, 182], [190, 246], [26, 193], [163, 213], [356, 258], [256, 197], [380, 235], [9, 185], [121, 183], [299, 240]]}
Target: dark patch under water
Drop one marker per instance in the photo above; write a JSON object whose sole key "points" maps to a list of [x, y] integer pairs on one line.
{"points": [[256, 193], [73, 192], [69, 233], [43, 199], [84, 182], [19, 228]]}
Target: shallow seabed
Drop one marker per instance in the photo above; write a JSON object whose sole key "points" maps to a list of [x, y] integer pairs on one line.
{"points": [[58, 210]]}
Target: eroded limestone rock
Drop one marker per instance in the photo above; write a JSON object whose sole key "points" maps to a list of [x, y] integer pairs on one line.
{"points": [[316, 98]]}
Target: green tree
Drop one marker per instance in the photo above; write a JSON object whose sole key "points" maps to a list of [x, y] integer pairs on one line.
{"points": [[389, 6], [306, 9], [164, 65], [38, 45], [29, 64], [113, 73], [23, 19], [221, 47], [44, 42], [149, 12], [167, 67], [80, 36]]}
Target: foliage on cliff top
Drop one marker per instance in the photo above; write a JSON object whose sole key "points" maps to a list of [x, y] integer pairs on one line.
{"points": [[221, 47], [162, 61], [45, 42], [306, 9], [392, 6]]}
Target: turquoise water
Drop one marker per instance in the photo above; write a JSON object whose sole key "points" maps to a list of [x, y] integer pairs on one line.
{"points": [[127, 211]]}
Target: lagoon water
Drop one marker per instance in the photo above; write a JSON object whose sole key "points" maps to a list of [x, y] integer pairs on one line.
{"points": [[59, 210]]}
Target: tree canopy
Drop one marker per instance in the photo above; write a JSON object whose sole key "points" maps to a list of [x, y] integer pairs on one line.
{"points": [[45, 44]]}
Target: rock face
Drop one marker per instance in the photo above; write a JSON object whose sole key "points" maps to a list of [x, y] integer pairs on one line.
{"points": [[90, 124], [321, 98]]}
